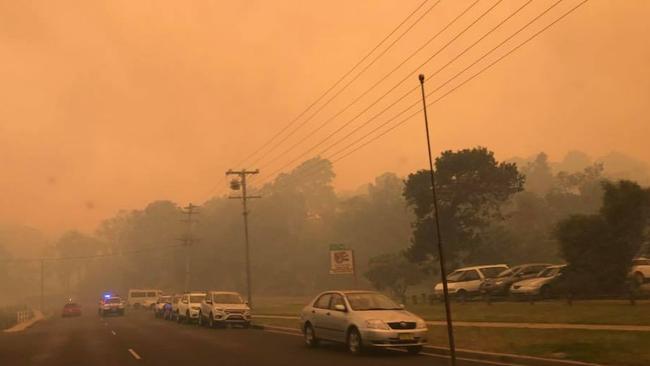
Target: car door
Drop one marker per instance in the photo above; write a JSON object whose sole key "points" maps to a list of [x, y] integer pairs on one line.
{"points": [[472, 280], [336, 318], [319, 315]]}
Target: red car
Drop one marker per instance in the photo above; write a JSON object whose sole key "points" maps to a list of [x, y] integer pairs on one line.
{"points": [[71, 309]]}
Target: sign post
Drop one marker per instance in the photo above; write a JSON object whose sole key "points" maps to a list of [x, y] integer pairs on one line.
{"points": [[342, 261]]}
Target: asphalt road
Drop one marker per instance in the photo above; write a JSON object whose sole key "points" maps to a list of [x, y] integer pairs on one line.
{"points": [[139, 339]]}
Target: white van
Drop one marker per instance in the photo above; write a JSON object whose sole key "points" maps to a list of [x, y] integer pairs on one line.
{"points": [[145, 298]]}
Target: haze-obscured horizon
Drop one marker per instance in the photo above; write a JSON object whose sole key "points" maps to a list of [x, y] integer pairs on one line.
{"points": [[110, 106]]}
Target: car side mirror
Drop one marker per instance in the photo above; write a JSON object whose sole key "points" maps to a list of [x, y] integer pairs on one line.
{"points": [[339, 307]]}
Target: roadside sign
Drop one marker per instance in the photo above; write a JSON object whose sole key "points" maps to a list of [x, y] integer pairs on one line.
{"points": [[341, 259]]}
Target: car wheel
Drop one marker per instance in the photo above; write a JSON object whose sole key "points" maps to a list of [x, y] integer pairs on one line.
{"points": [[544, 292], [414, 350], [310, 336], [461, 295], [355, 345], [638, 278]]}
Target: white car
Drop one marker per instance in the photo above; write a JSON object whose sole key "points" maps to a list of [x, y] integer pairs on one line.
{"points": [[362, 319], [111, 305], [220, 308], [189, 307], [640, 270], [145, 298], [465, 282], [159, 307], [542, 286]]}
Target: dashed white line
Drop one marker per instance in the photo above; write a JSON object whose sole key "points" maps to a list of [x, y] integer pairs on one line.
{"points": [[112, 331], [135, 355]]}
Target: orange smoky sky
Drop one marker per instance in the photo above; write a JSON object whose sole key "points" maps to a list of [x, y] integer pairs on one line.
{"points": [[108, 105]]}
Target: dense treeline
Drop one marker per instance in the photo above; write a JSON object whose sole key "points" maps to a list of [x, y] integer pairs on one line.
{"points": [[491, 211]]}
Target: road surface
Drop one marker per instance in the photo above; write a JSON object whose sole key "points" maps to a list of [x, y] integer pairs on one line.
{"points": [[139, 339]]}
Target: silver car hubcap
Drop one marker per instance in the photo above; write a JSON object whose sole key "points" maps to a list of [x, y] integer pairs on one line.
{"points": [[354, 342]]}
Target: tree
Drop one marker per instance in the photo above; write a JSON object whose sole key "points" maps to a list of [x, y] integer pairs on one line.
{"points": [[599, 248], [472, 186], [393, 272], [539, 176]]}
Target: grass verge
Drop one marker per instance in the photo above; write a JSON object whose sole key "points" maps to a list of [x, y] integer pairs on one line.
{"points": [[604, 347]]}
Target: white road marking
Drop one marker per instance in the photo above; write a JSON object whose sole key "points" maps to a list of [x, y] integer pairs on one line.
{"points": [[135, 355], [281, 332], [112, 331]]}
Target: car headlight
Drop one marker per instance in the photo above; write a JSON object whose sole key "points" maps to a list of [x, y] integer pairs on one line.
{"points": [[219, 310], [421, 324], [377, 324]]}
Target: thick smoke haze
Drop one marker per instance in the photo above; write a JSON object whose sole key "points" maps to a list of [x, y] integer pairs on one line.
{"points": [[109, 105]]}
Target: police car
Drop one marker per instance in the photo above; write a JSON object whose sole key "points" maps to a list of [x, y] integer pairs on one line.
{"points": [[111, 304]]}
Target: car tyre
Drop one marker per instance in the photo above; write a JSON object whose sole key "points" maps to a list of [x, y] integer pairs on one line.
{"points": [[414, 350], [310, 336], [354, 342], [199, 321], [638, 278], [544, 292], [461, 295]]}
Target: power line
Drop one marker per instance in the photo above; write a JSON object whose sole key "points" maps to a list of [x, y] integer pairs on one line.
{"points": [[510, 16], [414, 71], [382, 79], [327, 91], [291, 133], [472, 77]]}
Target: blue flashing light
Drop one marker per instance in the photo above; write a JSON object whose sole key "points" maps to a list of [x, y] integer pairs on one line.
{"points": [[106, 296]]}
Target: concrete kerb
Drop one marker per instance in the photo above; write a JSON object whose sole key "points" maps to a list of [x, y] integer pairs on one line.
{"points": [[38, 316]]}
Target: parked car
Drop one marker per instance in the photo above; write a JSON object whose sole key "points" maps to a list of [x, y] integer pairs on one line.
{"points": [[159, 308], [189, 307], [220, 308], [71, 309], [640, 270], [543, 286], [168, 307], [466, 282], [176, 300], [111, 305], [138, 298], [500, 285], [361, 319]]}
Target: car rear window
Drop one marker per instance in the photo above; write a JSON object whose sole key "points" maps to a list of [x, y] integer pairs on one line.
{"points": [[492, 272], [114, 300]]}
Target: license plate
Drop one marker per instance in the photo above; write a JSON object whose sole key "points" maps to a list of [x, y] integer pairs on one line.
{"points": [[406, 336]]}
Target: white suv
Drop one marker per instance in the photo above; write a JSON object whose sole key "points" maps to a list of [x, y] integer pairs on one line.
{"points": [[220, 308], [465, 282], [189, 307], [640, 270]]}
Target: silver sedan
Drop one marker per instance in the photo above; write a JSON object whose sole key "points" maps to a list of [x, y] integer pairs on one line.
{"points": [[362, 319]]}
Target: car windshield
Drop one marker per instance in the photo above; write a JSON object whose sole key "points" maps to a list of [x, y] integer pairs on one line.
{"points": [[196, 298], [455, 276], [371, 301], [492, 272], [549, 272], [508, 272], [227, 299]]}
